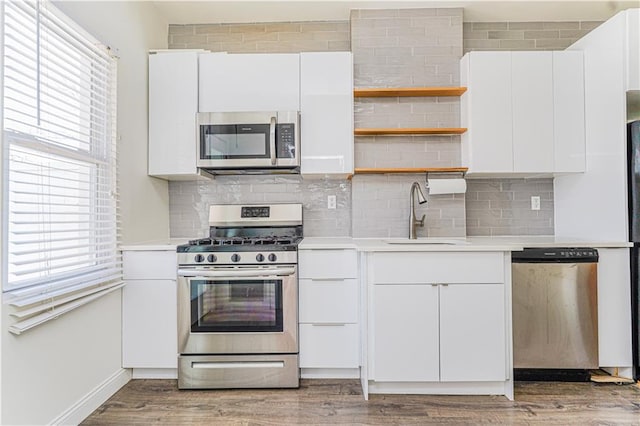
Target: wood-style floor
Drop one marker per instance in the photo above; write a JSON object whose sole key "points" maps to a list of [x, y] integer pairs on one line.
{"points": [[341, 402]]}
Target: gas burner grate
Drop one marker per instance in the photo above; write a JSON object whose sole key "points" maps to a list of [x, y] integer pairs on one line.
{"points": [[233, 241]]}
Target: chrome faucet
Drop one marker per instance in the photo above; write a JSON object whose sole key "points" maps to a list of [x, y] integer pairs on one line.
{"points": [[413, 222]]}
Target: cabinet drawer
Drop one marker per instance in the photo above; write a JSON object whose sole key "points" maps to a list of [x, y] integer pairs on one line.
{"points": [[438, 267], [328, 264], [149, 265], [329, 346], [328, 300]]}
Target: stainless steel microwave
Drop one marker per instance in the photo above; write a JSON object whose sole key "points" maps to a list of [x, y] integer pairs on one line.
{"points": [[249, 142]]}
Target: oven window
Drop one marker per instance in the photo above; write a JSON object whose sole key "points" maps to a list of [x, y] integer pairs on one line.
{"points": [[236, 306], [234, 141]]}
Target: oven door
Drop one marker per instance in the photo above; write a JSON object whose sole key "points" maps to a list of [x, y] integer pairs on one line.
{"points": [[235, 140], [238, 310]]}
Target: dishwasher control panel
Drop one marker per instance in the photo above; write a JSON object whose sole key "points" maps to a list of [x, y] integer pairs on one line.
{"points": [[555, 255]]}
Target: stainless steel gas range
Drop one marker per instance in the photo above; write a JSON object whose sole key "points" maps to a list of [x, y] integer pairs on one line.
{"points": [[238, 300]]}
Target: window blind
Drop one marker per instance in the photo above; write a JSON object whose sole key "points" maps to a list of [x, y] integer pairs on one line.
{"points": [[60, 196]]}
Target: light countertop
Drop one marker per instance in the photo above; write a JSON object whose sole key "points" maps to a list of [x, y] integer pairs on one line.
{"points": [[328, 243], [507, 243], [155, 245], [510, 243]]}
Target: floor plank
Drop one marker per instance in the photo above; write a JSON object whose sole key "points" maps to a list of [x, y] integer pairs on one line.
{"points": [[341, 402]]}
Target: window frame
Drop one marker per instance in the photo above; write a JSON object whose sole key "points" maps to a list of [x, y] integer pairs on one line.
{"points": [[41, 299]]}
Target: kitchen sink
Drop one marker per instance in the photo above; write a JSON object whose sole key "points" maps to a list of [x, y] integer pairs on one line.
{"points": [[445, 241]]}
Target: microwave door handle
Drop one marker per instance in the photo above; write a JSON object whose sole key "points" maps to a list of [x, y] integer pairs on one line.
{"points": [[272, 140]]}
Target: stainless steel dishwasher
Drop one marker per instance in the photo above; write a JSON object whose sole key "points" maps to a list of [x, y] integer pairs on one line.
{"points": [[555, 313]]}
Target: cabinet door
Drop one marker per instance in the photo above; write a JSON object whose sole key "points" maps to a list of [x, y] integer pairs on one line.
{"points": [[149, 324], [405, 333], [173, 103], [472, 332], [326, 107], [249, 82], [532, 100], [488, 143], [568, 112]]}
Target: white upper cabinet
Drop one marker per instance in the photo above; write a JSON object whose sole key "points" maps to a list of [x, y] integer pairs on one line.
{"points": [[249, 82], [326, 106], [173, 104], [532, 103], [486, 112], [524, 112], [633, 49], [568, 111]]}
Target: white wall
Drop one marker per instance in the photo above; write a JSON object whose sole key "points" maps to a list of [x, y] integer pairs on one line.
{"points": [[132, 28], [49, 371]]}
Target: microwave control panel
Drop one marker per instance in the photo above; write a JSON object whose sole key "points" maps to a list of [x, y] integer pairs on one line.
{"points": [[285, 140]]}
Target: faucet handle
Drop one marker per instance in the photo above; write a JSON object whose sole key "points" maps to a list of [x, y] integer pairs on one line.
{"points": [[421, 221]]}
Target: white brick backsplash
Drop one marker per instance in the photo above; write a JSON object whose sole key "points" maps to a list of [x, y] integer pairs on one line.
{"points": [[503, 207], [189, 201]]}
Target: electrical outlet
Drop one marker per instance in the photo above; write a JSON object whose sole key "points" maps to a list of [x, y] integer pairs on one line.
{"points": [[535, 202], [331, 202]]}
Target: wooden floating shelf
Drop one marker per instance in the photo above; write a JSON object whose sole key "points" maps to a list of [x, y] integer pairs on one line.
{"points": [[380, 171], [385, 92], [411, 131]]}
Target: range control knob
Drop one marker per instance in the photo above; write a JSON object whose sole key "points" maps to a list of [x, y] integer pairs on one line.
{"points": [[199, 258], [235, 257], [273, 257], [259, 257], [212, 258]]}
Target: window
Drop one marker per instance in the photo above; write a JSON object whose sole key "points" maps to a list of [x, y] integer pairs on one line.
{"points": [[59, 195]]}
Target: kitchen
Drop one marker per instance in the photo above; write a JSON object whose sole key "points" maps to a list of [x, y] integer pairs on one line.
{"points": [[180, 208]]}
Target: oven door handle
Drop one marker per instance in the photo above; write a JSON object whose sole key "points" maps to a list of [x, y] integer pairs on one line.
{"points": [[272, 140], [232, 273]]}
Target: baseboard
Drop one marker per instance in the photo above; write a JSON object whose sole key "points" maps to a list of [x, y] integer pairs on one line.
{"points": [[625, 372], [155, 373], [330, 373], [90, 402]]}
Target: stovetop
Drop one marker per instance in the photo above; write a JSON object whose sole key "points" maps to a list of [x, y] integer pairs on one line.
{"points": [[261, 229], [241, 243]]}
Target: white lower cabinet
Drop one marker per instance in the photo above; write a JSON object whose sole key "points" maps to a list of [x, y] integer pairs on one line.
{"points": [[328, 313], [150, 334], [149, 311], [472, 332], [438, 323], [329, 345], [426, 333], [406, 333]]}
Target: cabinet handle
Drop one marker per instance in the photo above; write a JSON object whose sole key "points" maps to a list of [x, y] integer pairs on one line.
{"points": [[329, 324], [329, 279]]}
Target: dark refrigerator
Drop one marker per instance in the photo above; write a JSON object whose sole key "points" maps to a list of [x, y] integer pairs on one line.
{"points": [[633, 171]]}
